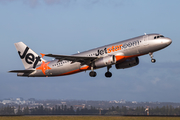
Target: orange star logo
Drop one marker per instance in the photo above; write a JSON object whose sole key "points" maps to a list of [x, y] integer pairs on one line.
{"points": [[44, 66]]}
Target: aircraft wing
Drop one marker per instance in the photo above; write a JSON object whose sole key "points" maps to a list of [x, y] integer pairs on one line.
{"points": [[73, 58], [22, 71]]}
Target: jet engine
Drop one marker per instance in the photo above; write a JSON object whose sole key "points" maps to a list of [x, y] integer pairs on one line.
{"points": [[105, 61], [128, 63]]}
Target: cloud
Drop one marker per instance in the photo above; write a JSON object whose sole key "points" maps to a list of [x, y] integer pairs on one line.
{"points": [[155, 81], [50, 2], [6, 1], [32, 3], [35, 3]]}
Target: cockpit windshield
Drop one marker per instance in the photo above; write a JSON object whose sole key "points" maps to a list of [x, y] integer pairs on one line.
{"points": [[159, 36]]}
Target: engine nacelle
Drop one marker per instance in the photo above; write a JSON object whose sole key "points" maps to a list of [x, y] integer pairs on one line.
{"points": [[128, 63], [105, 61]]}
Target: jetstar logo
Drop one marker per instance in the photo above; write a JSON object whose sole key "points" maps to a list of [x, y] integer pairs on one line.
{"points": [[130, 44], [44, 66], [101, 52], [114, 48], [117, 48], [29, 57]]}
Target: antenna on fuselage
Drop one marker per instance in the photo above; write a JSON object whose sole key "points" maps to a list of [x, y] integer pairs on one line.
{"points": [[144, 33]]}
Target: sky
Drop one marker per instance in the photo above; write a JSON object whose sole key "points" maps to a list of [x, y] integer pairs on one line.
{"points": [[68, 26]]}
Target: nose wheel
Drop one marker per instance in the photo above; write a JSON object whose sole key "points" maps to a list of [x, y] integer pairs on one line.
{"points": [[108, 74], [152, 59]]}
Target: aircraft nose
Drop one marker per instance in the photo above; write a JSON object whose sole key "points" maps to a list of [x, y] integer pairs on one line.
{"points": [[167, 41]]}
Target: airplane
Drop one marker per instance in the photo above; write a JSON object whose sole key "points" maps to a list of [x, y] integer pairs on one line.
{"points": [[123, 54]]}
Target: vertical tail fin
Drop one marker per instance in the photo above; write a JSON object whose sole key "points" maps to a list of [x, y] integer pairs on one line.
{"points": [[28, 56]]}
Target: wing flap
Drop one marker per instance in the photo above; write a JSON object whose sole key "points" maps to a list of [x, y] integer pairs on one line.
{"points": [[73, 58]]}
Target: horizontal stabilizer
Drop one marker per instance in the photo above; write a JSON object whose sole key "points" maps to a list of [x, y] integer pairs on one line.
{"points": [[22, 71]]}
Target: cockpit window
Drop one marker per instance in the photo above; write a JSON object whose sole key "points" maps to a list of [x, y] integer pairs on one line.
{"points": [[161, 36], [158, 36]]}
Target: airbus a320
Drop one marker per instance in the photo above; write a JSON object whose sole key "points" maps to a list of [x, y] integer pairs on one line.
{"points": [[123, 54]]}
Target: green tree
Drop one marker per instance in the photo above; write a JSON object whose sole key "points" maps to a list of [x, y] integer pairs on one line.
{"points": [[26, 111], [19, 112]]}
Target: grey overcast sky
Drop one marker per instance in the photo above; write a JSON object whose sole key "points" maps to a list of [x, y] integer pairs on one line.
{"points": [[67, 26]]}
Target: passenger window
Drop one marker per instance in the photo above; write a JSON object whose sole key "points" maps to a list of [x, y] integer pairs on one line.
{"points": [[155, 37]]}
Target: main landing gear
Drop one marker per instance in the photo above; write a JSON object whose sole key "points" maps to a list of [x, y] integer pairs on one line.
{"points": [[108, 74], [92, 73], [152, 59]]}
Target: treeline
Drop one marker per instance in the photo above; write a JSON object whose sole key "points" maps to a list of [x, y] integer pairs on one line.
{"points": [[40, 110], [64, 110], [165, 110], [8, 110]]}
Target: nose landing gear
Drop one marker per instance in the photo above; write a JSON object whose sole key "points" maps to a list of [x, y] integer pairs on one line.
{"points": [[152, 59]]}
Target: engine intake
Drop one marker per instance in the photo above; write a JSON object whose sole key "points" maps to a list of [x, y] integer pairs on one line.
{"points": [[128, 63]]}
